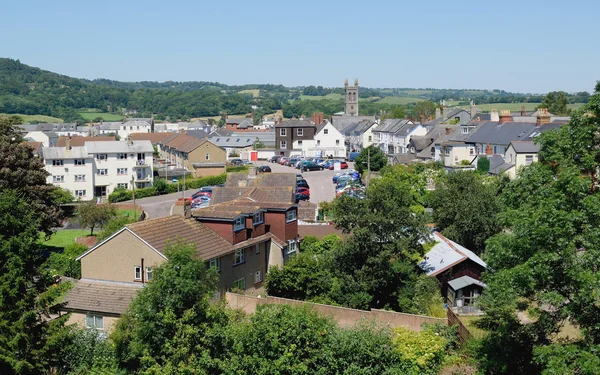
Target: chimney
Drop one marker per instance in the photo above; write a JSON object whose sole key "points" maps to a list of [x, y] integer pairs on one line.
{"points": [[438, 112], [252, 172], [129, 140], [494, 115], [448, 131], [488, 149], [523, 112], [444, 112], [68, 143], [422, 119], [505, 116], [473, 110], [279, 120], [542, 117]]}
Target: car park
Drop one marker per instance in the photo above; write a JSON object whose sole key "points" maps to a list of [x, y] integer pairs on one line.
{"points": [[291, 162], [355, 175], [274, 159], [310, 166], [247, 162], [282, 160], [264, 169]]}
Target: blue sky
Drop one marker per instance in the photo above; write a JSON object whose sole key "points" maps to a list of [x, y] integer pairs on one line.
{"points": [[525, 46]]}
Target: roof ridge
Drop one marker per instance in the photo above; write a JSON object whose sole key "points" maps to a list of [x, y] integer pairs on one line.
{"points": [[449, 242]]}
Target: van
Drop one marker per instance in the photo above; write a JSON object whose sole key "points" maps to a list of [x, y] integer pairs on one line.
{"points": [[352, 156]]}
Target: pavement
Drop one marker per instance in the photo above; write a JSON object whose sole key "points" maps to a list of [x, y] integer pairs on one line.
{"points": [[321, 189]]}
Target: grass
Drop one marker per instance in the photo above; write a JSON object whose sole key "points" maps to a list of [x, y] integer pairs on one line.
{"points": [[469, 322], [328, 96], [88, 116], [65, 237], [517, 106], [255, 92], [35, 118], [399, 100]]}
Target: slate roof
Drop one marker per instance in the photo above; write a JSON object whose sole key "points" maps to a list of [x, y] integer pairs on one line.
{"points": [[118, 146], [101, 296], [463, 282], [341, 122], [439, 120], [185, 143], [231, 141], [200, 134], [525, 147], [501, 134], [295, 124], [154, 138], [160, 232], [111, 125], [51, 153], [358, 128], [446, 254], [77, 141], [392, 125]]}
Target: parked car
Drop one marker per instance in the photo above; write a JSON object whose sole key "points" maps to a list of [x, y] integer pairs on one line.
{"points": [[264, 169], [199, 202], [343, 165], [354, 174], [204, 191], [310, 166], [302, 183], [246, 161], [291, 162], [298, 164], [352, 156], [303, 190], [299, 176], [282, 160], [236, 162], [274, 159]]}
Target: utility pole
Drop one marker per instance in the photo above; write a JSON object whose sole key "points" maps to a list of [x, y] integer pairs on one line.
{"points": [[183, 189], [134, 207], [368, 166]]}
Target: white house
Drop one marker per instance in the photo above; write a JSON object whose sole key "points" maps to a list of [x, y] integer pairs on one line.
{"points": [[359, 135], [402, 136], [328, 141], [98, 168], [128, 126], [47, 139]]}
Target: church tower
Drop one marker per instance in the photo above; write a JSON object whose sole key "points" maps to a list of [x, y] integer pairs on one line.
{"points": [[351, 99]]}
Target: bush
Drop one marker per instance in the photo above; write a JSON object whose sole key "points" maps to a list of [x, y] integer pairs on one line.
{"points": [[113, 226], [64, 264], [192, 183], [91, 353], [422, 352], [236, 168]]}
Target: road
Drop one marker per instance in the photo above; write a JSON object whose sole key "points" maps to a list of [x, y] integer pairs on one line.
{"points": [[321, 189]]}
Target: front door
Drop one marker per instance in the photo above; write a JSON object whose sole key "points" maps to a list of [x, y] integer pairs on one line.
{"points": [[100, 191]]}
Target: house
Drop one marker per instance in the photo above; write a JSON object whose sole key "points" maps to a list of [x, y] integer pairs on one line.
{"points": [[98, 168], [518, 154], [401, 138], [126, 127], [328, 141], [340, 122], [290, 135], [47, 139], [239, 124], [384, 134], [359, 135], [78, 141], [36, 148], [234, 146], [457, 269], [199, 156]]}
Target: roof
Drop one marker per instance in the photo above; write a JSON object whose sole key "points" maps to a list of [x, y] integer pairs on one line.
{"points": [[341, 122], [198, 133], [36, 146], [463, 282], [101, 296], [358, 128], [446, 254], [185, 143], [501, 134], [118, 146], [154, 138], [319, 230], [295, 124], [525, 147], [265, 180], [77, 141], [497, 164], [392, 125], [51, 153], [263, 196], [160, 232], [111, 125], [440, 120], [231, 141]]}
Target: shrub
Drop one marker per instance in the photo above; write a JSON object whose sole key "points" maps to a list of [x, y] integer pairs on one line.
{"points": [[113, 226], [422, 352], [236, 168], [192, 183], [64, 264]]}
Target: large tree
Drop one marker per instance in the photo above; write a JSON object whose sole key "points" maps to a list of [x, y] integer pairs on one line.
{"points": [[92, 215], [465, 206], [556, 102], [544, 266], [370, 158]]}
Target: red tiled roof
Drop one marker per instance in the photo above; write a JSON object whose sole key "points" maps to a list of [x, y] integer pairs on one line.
{"points": [[78, 141]]}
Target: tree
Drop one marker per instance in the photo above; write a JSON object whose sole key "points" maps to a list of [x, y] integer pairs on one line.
{"points": [[556, 102], [92, 215], [30, 342], [27, 175], [423, 109], [465, 208], [113, 226], [64, 263], [483, 165], [372, 156], [544, 266]]}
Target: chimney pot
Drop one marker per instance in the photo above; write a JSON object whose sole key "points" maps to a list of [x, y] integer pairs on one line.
{"points": [[488, 149], [494, 115], [543, 117], [523, 112], [505, 116], [448, 131]]}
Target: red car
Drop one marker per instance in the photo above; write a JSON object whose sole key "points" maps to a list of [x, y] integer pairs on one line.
{"points": [[343, 165], [303, 190]]}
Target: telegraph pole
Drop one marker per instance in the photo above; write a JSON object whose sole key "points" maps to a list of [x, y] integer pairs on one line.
{"points": [[368, 166]]}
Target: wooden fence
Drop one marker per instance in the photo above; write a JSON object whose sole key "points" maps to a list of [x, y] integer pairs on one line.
{"points": [[463, 333]]}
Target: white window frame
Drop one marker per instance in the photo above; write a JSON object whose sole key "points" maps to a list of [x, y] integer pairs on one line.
{"points": [[79, 162], [318, 142], [58, 179], [80, 193], [325, 131], [207, 157], [530, 161], [101, 156], [258, 218], [102, 172], [79, 178], [289, 214], [137, 272], [300, 132], [239, 257], [235, 284], [283, 132], [95, 319], [58, 163], [122, 171], [448, 150], [239, 223], [149, 273], [215, 263], [300, 143], [337, 142], [121, 156], [122, 185], [258, 277], [471, 151], [292, 247], [283, 145]]}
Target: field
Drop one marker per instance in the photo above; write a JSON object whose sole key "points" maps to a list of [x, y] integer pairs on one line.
{"points": [[255, 93], [399, 100], [516, 106], [89, 116], [328, 96], [35, 118], [65, 237]]}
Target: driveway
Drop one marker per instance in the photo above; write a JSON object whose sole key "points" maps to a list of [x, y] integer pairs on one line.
{"points": [[160, 206]]}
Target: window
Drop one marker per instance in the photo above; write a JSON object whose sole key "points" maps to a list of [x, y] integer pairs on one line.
{"points": [[290, 216], [121, 171], [102, 172], [258, 218], [207, 157], [471, 151], [448, 149], [122, 186], [130, 127], [101, 157], [79, 178], [80, 193], [257, 249], [300, 132], [283, 132], [57, 163], [215, 264], [149, 273], [283, 145], [318, 142], [121, 156], [299, 143], [137, 273], [528, 159], [292, 247], [238, 223], [370, 138], [79, 161], [325, 131], [60, 178], [337, 142], [238, 257], [239, 284], [258, 277], [94, 321]]}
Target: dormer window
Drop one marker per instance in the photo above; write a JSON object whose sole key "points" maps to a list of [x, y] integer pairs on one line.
{"points": [[259, 218], [238, 223], [290, 216]]}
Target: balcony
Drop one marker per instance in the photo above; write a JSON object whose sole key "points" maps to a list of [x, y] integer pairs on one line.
{"points": [[142, 178], [141, 164]]}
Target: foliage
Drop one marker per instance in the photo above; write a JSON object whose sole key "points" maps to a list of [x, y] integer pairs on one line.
{"points": [[92, 215], [27, 175], [90, 353], [396, 112], [545, 265], [64, 263], [112, 226], [61, 196], [421, 352], [483, 165], [160, 186], [121, 195], [577, 358], [30, 343], [370, 155], [423, 297], [465, 208], [312, 245], [424, 109], [236, 168], [556, 103]]}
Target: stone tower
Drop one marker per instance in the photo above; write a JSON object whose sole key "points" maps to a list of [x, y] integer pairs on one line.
{"points": [[351, 99]]}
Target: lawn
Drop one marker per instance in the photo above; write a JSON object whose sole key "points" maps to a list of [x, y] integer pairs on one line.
{"points": [[399, 100], [35, 118], [255, 93], [89, 116], [65, 237], [469, 322], [328, 96]]}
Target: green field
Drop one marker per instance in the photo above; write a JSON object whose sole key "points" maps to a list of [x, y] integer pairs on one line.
{"points": [[399, 100], [65, 237], [516, 106], [35, 118], [255, 93], [89, 116], [328, 96]]}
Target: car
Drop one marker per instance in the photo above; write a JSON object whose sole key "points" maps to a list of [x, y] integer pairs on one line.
{"points": [[302, 197], [236, 162], [291, 162], [343, 165], [310, 166], [302, 183], [299, 176], [282, 160], [352, 156], [346, 177], [247, 162], [200, 202], [204, 191], [326, 164], [298, 164], [355, 175], [303, 190], [274, 159], [264, 169]]}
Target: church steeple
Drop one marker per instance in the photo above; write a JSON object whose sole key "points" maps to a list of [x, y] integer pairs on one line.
{"points": [[351, 98]]}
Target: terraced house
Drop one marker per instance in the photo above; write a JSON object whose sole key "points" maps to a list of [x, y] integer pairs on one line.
{"points": [[199, 156]]}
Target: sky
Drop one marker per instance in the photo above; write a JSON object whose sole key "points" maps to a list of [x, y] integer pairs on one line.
{"points": [[525, 46]]}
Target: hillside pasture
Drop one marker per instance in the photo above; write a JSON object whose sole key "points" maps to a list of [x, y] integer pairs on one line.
{"points": [[89, 116], [515, 107], [35, 118], [255, 93], [328, 96], [400, 100]]}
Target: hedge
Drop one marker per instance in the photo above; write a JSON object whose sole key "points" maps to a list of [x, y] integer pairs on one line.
{"points": [[237, 168], [161, 187]]}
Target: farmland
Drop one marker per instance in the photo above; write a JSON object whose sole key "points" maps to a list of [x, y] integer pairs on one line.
{"points": [[89, 116], [399, 100], [255, 92], [35, 118]]}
